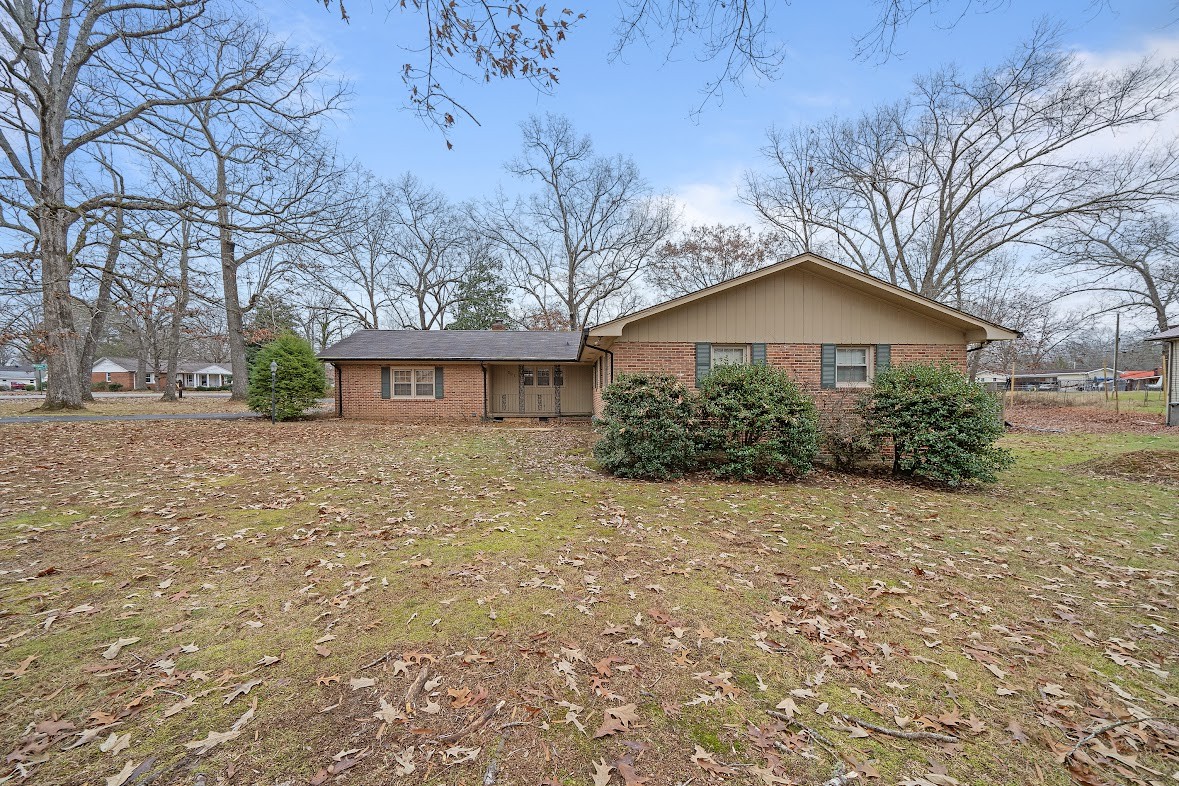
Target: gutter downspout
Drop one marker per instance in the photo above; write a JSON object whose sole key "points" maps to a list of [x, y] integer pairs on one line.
{"points": [[484, 367]]}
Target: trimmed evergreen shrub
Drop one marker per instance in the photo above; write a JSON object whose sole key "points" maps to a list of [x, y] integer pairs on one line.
{"points": [[760, 422], [942, 426], [299, 381], [647, 427]]}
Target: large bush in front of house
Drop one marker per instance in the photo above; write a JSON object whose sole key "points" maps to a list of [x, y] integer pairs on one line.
{"points": [[647, 427], [942, 426], [758, 422], [299, 380]]}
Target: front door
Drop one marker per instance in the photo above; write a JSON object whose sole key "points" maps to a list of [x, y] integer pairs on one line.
{"points": [[540, 390]]}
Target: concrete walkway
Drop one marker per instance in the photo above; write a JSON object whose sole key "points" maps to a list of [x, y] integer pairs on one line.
{"points": [[116, 418]]}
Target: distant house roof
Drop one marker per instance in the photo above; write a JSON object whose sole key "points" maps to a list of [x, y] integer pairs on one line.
{"points": [[1141, 374], [1166, 335], [491, 345], [16, 371]]}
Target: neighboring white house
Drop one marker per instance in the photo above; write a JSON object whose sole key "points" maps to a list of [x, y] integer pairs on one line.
{"points": [[17, 376], [195, 374]]}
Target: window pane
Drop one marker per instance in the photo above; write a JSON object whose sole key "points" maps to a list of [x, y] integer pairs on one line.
{"points": [[424, 382], [851, 374], [542, 376], [403, 376], [402, 389], [851, 356], [727, 356], [529, 377]]}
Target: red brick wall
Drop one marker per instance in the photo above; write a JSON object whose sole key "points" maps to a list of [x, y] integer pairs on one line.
{"points": [[802, 361], [954, 354], [124, 378], [462, 388]]}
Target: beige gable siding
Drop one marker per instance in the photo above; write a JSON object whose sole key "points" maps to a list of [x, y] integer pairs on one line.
{"points": [[793, 306]]}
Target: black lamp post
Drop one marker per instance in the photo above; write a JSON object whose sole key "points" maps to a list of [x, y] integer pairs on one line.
{"points": [[273, 383]]}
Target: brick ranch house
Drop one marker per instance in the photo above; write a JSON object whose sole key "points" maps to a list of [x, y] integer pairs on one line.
{"points": [[195, 374], [830, 326]]}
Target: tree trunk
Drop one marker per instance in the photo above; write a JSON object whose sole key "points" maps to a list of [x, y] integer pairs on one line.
{"points": [[179, 309], [233, 303], [102, 305], [63, 389]]}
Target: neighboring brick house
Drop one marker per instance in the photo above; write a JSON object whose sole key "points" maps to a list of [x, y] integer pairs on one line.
{"points": [[195, 374], [830, 326]]}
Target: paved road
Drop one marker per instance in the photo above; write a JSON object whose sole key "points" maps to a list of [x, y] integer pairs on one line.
{"points": [[113, 418]]}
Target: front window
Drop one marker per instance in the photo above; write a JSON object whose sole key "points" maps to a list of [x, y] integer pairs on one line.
{"points": [[851, 366], [108, 376], [529, 375], [727, 355], [542, 377], [413, 383]]}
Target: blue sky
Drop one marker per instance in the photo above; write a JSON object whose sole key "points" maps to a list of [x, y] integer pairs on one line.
{"points": [[643, 105]]}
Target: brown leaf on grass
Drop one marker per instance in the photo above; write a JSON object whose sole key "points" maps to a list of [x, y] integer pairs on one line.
{"points": [[602, 772], [112, 651], [616, 719], [705, 761], [241, 690], [626, 768], [1017, 733], [122, 776], [215, 738], [327, 679], [20, 670]]}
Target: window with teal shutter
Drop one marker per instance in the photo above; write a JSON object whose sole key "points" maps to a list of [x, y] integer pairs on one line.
{"points": [[883, 357], [438, 382], [827, 366], [757, 354], [385, 382], [703, 361]]}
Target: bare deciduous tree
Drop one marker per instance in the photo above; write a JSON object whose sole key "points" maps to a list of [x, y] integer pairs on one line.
{"points": [[428, 244], [923, 192], [60, 70], [254, 160], [580, 241], [709, 254], [1132, 256]]}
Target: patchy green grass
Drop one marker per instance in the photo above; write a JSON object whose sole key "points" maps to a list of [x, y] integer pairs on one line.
{"points": [[309, 555]]}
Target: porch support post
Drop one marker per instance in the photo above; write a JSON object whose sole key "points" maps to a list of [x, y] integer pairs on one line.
{"points": [[556, 391], [521, 385]]}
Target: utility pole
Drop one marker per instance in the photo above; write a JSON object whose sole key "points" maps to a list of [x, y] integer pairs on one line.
{"points": [[1117, 348]]}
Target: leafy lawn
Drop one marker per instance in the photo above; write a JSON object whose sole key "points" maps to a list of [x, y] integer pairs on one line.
{"points": [[342, 602], [126, 404]]}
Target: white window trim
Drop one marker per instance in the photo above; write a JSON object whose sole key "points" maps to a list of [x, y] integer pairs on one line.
{"points": [[869, 363], [714, 347], [413, 385], [108, 376]]}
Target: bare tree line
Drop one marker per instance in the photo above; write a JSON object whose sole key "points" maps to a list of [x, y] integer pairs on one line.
{"points": [[170, 182]]}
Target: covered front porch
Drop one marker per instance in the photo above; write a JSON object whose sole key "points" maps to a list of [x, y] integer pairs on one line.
{"points": [[539, 390]]}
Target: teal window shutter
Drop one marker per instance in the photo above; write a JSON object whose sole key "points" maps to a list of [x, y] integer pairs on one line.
{"points": [[757, 354], [827, 368], [438, 382], [384, 382], [703, 361], [883, 357]]}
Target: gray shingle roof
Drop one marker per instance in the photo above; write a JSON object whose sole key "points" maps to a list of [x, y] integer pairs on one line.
{"points": [[493, 345], [1173, 333]]}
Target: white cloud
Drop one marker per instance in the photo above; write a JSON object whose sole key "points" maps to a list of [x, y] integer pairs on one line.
{"points": [[1114, 60], [714, 202]]}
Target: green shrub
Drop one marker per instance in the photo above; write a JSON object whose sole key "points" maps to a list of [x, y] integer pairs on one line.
{"points": [[647, 427], [759, 420], [299, 381], [942, 426]]}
